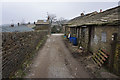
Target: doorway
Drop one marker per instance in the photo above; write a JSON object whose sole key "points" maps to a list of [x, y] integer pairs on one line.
{"points": [[91, 37]]}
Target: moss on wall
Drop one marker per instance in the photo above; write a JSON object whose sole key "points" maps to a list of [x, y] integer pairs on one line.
{"points": [[18, 47]]}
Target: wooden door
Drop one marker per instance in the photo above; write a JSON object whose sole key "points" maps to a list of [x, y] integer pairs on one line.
{"points": [[91, 37]]}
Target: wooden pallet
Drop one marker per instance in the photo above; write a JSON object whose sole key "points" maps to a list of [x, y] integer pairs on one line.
{"points": [[100, 57]]}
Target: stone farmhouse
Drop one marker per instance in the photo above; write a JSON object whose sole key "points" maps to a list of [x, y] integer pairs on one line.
{"points": [[98, 31], [42, 25]]}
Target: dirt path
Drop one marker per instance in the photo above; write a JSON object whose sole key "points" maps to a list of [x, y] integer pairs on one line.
{"points": [[55, 61]]}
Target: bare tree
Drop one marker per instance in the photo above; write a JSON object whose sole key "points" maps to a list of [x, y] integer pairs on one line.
{"points": [[51, 19], [61, 22]]}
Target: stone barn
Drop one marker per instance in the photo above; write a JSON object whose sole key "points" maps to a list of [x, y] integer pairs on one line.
{"points": [[42, 25], [96, 31]]}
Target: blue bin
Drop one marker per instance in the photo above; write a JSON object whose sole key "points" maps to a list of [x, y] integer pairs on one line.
{"points": [[70, 39], [74, 41]]}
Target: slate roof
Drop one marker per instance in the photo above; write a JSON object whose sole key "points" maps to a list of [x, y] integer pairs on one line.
{"points": [[31, 25], [21, 28], [42, 22], [108, 17]]}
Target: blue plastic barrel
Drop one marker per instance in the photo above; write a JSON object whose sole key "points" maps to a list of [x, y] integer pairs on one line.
{"points": [[74, 41], [71, 39]]}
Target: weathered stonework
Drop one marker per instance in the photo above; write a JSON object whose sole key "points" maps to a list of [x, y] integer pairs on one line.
{"points": [[42, 27], [96, 42]]}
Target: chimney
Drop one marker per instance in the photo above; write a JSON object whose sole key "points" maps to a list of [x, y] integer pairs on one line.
{"points": [[12, 25], [28, 22], [82, 14], [95, 12], [34, 22], [100, 10], [48, 18], [18, 24]]}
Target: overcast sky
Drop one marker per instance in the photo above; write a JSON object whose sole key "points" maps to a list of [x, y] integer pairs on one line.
{"points": [[31, 11]]}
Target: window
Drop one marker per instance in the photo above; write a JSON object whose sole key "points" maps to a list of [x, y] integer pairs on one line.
{"points": [[103, 36]]}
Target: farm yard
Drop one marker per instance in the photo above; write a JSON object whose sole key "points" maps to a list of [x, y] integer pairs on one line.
{"points": [[86, 46]]}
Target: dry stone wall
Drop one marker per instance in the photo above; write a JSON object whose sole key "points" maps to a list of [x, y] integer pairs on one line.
{"points": [[17, 47]]}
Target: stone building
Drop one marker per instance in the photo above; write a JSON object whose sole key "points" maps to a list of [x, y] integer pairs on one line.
{"points": [[96, 31], [42, 25]]}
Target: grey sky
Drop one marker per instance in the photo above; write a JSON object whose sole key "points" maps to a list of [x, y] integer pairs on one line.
{"points": [[32, 11]]}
